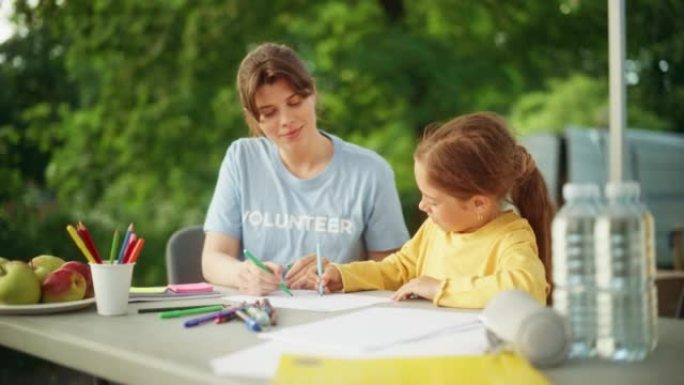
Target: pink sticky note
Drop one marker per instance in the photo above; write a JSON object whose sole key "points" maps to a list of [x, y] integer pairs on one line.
{"points": [[199, 287]]}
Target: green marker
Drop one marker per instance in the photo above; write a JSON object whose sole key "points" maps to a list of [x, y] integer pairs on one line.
{"points": [[194, 310], [263, 267]]}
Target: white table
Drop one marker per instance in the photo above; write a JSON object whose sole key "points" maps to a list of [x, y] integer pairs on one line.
{"points": [[142, 349]]}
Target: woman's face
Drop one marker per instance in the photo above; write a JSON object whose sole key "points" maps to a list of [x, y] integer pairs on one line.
{"points": [[448, 212], [285, 117]]}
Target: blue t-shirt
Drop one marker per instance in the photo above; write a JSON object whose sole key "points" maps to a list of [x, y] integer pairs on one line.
{"points": [[351, 207]]}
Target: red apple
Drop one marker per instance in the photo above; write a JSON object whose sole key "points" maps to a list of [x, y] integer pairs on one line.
{"points": [[63, 286], [84, 270]]}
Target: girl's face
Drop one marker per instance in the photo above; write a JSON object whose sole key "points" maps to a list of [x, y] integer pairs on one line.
{"points": [[285, 117], [448, 212]]}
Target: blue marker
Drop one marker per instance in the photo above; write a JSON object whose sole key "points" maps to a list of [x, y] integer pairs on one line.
{"points": [[250, 323], [319, 267], [210, 317]]}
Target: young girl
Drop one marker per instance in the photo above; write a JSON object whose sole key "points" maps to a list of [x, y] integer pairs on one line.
{"points": [[471, 246]]}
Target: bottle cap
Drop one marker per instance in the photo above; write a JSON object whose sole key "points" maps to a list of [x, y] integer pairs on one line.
{"points": [[628, 189], [580, 190]]}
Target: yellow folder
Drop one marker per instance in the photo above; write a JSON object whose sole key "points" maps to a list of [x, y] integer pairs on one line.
{"points": [[502, 368]]}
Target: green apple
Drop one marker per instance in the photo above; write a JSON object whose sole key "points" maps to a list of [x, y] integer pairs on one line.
{"points": [[63, 285], [18, 284], [3, 260], [45, 264]]}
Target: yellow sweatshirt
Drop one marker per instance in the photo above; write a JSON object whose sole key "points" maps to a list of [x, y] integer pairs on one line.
{"points": [[473, 267]]}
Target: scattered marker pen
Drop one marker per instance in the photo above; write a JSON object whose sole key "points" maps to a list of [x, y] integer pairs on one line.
{"points": [[212, 316], [250, 323], [191, 311], [259, 315], [162, 309], [221, 320]]}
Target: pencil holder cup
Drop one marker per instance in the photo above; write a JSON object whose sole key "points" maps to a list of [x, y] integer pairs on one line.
{"points": [[112, 283]]}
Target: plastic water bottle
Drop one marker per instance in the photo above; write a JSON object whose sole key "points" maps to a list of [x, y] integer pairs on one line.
{"points": [[574, 294], [625, 266]]}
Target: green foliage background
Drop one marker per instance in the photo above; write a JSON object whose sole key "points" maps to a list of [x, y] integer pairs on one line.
{"points": [[114, 112]]}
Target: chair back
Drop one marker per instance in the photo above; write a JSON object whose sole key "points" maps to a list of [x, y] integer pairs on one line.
{"points": [[184, 255]]}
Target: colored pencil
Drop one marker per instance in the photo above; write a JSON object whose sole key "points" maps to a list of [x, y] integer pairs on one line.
{"points": [[119, 259], [88, 240], [115, 242], [129, 247], [136, 251], [79, 243]]}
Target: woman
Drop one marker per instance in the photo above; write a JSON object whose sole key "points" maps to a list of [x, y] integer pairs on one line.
{"points": [[292, 186]]}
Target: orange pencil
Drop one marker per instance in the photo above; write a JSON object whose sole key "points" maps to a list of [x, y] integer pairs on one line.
{"points": [[136, 250], [88, 240]]}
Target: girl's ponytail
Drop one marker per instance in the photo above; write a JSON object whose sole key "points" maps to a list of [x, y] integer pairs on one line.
{"points": [[531, 197]]}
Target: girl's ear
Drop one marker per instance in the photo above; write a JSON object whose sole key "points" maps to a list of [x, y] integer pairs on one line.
{"points": [[481, 205], [480, 202]]}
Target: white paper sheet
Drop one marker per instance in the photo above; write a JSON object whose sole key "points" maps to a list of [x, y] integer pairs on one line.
{"points": [[310, 300], [374, 329], [262, 361]]}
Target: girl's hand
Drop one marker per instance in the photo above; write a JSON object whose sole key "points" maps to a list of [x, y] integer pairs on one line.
{"points": [[331, 279], [304, 273], [424, 287], [257, 282]]}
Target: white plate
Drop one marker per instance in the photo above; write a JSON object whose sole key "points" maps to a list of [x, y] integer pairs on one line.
{"points": [[46, 308]]}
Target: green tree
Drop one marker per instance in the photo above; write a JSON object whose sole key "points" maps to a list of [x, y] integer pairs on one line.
{"points": [[34, 87], [121, 111], [577, 100]]}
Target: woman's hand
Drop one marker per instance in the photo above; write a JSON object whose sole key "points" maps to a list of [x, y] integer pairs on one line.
{"points": [[424, 287], [304, 273], [255, 281]]}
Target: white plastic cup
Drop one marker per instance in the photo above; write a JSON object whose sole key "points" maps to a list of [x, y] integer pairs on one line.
{"points": [[112, 283]]}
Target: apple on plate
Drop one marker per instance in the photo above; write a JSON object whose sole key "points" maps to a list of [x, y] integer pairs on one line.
{"points": [[18, 284], [45, 264], [84, 269], [63, 285]]}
